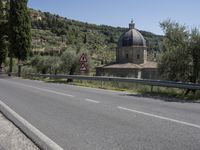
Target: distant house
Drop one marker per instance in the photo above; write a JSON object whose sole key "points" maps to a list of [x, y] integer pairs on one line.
{"points": [[131, 58], [35, 16]]}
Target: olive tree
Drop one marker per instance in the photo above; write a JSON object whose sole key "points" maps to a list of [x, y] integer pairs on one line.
{"points": [[174, 61]]}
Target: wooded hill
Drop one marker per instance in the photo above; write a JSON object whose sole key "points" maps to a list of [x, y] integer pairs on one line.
{"points": [[52, 34]]}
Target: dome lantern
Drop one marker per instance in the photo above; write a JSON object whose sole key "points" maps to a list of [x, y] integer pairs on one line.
{"points": [[132, 25]]}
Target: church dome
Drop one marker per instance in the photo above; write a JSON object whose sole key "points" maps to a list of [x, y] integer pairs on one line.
{"points": [[132, 38]]}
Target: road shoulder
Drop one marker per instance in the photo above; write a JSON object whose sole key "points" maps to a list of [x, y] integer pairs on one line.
{"points": [[11, 138]]}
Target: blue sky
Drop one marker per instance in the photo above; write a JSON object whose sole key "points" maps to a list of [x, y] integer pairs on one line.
{"points": [[146, 13]]}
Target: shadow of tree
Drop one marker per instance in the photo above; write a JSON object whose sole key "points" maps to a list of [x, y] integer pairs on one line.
{"points": [[166, 97]]}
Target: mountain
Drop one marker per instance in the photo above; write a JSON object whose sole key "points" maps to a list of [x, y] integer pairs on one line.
{"points": [[52, 33]]}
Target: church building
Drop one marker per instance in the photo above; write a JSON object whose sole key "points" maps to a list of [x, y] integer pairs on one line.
{"points": [[131, 58]]}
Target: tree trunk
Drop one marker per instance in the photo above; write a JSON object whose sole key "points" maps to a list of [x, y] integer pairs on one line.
{"points": [[195, 73], [72, 70], [55, 73], [10, 65], [19, 70]]}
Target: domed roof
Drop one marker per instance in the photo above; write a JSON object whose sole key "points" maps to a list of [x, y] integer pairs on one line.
{"points": [[131, 38]]}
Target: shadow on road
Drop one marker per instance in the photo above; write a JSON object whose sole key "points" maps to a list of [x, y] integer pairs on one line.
{"points": [[165, 97], [3, 76]]}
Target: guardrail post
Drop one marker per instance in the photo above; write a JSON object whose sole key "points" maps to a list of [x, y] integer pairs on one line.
{"points": [[102, 84]]}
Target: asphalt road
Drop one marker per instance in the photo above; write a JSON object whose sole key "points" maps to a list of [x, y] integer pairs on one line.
{"points": [[79, 118]]}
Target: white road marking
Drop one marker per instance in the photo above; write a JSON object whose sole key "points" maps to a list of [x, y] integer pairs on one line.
{"points": [[160, 117], [119, 107], [90, 100], [45, 90]]}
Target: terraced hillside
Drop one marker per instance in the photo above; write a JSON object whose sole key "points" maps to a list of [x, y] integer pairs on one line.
{"points": [[52, 33]]}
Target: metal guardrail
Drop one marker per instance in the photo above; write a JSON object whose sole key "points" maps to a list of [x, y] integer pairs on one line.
{"points": [[161, 83]]}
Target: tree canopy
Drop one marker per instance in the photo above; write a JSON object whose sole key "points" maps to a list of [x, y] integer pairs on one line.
{"points": [[4, 7], [20, 35], [179, 59]]}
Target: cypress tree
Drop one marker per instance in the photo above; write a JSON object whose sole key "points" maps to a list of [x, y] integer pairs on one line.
{"points": [[19, 27], [3, 49], [3, 29]]}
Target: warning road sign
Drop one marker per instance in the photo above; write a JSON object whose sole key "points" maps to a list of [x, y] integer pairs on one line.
{"points": [[83, 67], [83, 63], [83, 58]]}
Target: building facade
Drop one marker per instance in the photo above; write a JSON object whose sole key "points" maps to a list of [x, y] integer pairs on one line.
{"points": [[131, 58]]}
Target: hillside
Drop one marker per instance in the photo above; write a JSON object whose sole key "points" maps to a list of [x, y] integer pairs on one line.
{"points": [[52, 33]]}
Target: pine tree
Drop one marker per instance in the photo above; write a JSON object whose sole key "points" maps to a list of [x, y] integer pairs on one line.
{"points": [[19, 27]]}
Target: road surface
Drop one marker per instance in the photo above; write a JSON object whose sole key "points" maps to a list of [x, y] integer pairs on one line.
{"points": [[78, 118]]}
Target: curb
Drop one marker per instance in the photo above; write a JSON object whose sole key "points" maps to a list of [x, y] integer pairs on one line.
{"points": [[41, 140]]}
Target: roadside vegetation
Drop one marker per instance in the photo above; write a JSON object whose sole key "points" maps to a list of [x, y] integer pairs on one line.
{"points": [[180, 56], [132, 89], [39, 42]]}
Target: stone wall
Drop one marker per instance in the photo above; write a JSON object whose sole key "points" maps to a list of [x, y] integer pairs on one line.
{"points": [[137, 55]]}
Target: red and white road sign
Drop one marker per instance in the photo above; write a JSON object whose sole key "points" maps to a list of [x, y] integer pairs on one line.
{"points": [[83, 63], [20, 62], [83, 67], [83, 58]]}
